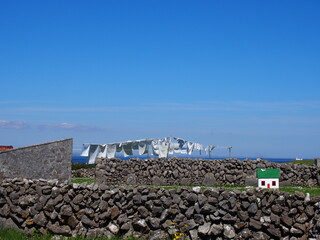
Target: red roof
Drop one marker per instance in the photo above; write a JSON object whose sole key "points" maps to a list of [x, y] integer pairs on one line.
{"points": [[5, 148]]}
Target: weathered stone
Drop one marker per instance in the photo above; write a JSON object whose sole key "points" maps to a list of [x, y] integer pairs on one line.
{"points": [[207, 209], [192, 197], [40, 219], [243, 215], [204, 229], [198, 218], [216, 229], [140, 226], [255, 224], [273, 231], [209, 180], [287, 221], [132, 179], [66, 210], [228, 231], [253, 208], [88, 221], [158, 235], [113, 228], [57, 229], [153, 223], [72, 222]]}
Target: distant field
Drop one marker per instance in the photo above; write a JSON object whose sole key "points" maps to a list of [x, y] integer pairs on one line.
{"points": [[308, 162]]}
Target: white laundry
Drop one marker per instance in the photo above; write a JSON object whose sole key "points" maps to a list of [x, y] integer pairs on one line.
{"points": [[93, 153], [155, 147], [190, 146], [143, 148], [85, 150], [102, 151], [127, 149], [174, 147], [163, 149], [111, 150]]}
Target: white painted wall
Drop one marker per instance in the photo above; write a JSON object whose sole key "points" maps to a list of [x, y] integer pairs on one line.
{"points": [[268, 182]]}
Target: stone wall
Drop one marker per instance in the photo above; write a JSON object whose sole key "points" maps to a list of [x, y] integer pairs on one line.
{"points": [[156, 213], [44, 161], [177, 171]]}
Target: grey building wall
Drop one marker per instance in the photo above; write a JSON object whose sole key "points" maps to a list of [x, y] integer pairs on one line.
{"points": [[49, 161]]}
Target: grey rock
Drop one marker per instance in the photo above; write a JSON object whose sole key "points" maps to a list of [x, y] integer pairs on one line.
{"points": [[253, 208], [158, 235], [140, 225], [113, 228], [216, 229], [57, 229], [209, 180], [204, 229], [40, 219], [66, 210], [228, 231]]}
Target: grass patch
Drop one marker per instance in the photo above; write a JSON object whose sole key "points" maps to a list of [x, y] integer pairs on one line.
{"points": [[12, 234], [307, 162], [313, 191], [83, 180], [76, 166]]}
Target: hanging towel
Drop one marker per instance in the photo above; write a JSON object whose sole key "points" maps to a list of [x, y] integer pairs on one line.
{"points": [[127, 149], [155, 148], [190, 146], [143, 148], [163, 149], [111, 150], [103, 151], [93, 152], [85, 150]]}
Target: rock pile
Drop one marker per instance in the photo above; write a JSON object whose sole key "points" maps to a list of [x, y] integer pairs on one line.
{"points": [[175, 171], [156, 213], [84, 172]]}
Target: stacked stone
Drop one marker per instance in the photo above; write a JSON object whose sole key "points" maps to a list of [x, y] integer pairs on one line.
{"points": [[84, 172], [156, 213], [177, 171]]}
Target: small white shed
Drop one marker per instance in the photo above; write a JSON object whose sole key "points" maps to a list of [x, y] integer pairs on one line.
{"points": [[268, 178]]}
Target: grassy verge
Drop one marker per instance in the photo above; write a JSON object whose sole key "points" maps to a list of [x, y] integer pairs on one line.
{"points": [[12, 234], [307, 162], [313, 191], [83, 180]]}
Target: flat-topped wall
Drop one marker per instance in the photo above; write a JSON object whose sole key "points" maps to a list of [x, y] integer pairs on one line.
{"points": [[175, 171], [50, 160], [157, 213]]}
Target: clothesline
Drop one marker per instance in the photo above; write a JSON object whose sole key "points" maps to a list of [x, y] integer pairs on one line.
{"points": [[161, 147]]}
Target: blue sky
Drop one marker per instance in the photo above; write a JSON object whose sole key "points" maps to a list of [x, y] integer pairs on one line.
{"points": [[239, 73]]}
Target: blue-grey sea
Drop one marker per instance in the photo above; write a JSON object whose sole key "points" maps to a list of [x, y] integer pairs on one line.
{"points": [[80, 159]]}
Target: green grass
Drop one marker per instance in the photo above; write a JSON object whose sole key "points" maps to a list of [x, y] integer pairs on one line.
{"points": [[12, 234], [313, 191], [307, 162], [83, 180], [76, 166]]}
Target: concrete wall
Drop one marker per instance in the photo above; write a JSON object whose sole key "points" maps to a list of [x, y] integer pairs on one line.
{"points": [[50, 160], [175, 171], [155, 213]]}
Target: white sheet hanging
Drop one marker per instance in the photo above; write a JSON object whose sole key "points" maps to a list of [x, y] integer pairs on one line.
{"points": [[127, 149], [93, 153], [111, 150], [85, 150]]}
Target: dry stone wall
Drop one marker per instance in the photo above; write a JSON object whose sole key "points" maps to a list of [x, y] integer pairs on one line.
{"points": [[175, 171], [157, 213], [50, 160]]}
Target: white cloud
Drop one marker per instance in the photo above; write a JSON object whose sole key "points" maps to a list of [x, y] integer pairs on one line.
{"points": [[4, 124], [68, 126]]}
